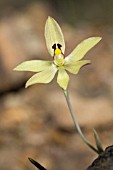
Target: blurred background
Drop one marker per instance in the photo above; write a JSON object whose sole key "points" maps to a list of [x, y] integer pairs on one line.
{"points": [[35, 122]]}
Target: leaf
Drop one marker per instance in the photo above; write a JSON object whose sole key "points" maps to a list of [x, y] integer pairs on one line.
{"points": [[62, 78], [40, 167], [75, 67], [45, 76], [33, 65], [53, 35], [98, 142], [79, 52]]}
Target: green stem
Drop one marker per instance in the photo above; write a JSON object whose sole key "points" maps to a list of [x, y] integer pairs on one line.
{"points": [[76, 123]]}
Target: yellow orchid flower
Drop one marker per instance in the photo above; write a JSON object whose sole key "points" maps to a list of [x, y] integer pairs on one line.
{"points": [[46, 70]]}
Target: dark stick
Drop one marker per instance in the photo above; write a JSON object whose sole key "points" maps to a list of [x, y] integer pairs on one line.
{"points": [[40, 167]]}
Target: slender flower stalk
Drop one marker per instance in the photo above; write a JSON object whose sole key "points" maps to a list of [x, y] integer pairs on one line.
{"points": [[76, 123]]}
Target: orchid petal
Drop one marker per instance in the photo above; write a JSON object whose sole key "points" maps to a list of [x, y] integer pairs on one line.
{"points": [[62, 78], [79, 52], [53, 35], [75, 67], [33, 65], [45, 76]]}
